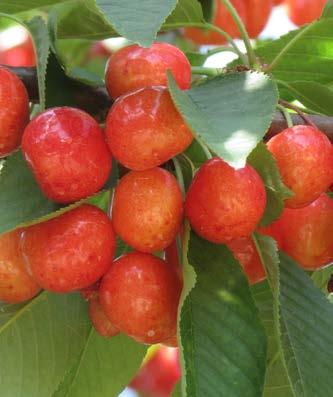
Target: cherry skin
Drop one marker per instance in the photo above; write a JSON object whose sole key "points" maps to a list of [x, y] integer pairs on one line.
{"points": [[246, 253], [22, 55], [14, 111], [72, 251], [257, 15], [222, 19], [16, 283], [67, 153], [144, 129], [172, 257], [301, 12], [171, 342], [135, 67], [223, 203], [304, 156], [147, 209], [91, 292], [99, 319], [140, 295]]}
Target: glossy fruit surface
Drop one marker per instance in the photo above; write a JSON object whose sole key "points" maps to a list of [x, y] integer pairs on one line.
{"points": [[135, 67], [223, 20], [246, 253], [16, 283], [67, 153], [304, 156], [224, 203], [301, 12], [307, 233], [140, 295], [20, 55], [172, 257], [144, 129], [72, 251], [14, 111], [257, 15], [99, 319], [147, 209]]}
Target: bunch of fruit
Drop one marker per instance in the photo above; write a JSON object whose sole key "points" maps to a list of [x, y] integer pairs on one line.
{"points": [[138, 293]]}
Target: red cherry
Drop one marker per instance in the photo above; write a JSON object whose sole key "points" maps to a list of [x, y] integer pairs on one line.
{"points": [[257, 15], [222, 19], [171, 342], [144, 129], [159, 375], [172, 257], [67, 152], [147, 209], [277, 2], [304, 156], [16, 282], [99, 319], [140, 295], [224, 203], [14, 111], [22, 54], [135, 67], [273, 230], [91, 292], [246, 253], [301, 12], [71, 251]]}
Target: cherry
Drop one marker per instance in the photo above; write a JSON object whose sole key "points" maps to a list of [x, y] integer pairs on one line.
{"points": [[301, 12], [172, 257], [16, 282], [171, 342], [257, 15], [147, 209], [135, 67], [22, 54], [140, 295], [91, 292], [222, 19], [277, 2], [99, 319], [14, 111], [224, 203], [71, 251], [144, 129], [67, 153], [246, 253], [304, 156]]}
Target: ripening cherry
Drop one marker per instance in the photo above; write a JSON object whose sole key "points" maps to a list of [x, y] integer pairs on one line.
{"points": [[140, 295], [277, 2], [304, 156], [67, 153], [91, 292], [246, 253], [171, 342], [147, 209], [144, 129], [99, 319], [14, 111], [223, 20], [224, 203], [72, 251], [16, 282], [135, 67], [257, 15], [172, 257], [20, 55], [301, 12]]}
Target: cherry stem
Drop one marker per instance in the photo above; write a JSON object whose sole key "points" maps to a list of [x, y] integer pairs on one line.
{"points": [[245, 36], [287, 115], [298, 111], [179, 175], [206, 71]]}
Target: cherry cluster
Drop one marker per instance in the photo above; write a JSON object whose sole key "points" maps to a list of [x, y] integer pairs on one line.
{"points": [[71, 158]]}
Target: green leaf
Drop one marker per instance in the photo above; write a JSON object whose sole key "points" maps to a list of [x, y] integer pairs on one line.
{"points": [[21, 200], [231, 113], [321, 278], [137, 20], [186, 11], [7, 311], [104, 367], [40, 343], [15, 6], [264, 163], [328, 11], [177, 391], [223, 342]]}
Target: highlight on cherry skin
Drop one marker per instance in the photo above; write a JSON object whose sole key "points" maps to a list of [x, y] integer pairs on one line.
{"points": [[100, 320], [140, 295], [71, 251], [67, 152], [224, 203], [304, 157], [16, 281], [14, 111], [134, 67], [144, 129], [147, 209]]}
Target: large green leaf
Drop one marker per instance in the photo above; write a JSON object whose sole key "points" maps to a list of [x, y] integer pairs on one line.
{"points": [[16, 6], [262, 160], [231, 113], [223, 342], [39, 343]]}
